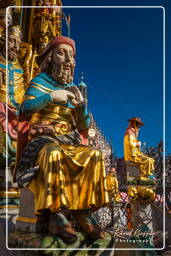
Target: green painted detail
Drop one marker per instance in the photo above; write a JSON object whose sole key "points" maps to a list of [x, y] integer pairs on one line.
{"points": [[39, 240]]}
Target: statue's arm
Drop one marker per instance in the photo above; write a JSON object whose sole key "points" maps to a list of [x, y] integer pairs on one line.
{"points": [[34, 100], [82, 117], [133, 144]]}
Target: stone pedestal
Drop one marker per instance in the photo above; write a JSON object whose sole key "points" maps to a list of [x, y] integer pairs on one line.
{"points": [[141, 195], [133, 171], [141, 214], [27, 220]]}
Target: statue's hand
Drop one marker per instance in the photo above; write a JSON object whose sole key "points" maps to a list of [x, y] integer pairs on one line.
{"points": [[79, 100], [62, 96]]}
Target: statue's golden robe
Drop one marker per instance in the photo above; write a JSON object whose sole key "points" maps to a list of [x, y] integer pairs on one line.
{"points": [[70, 175], [132, 153]]}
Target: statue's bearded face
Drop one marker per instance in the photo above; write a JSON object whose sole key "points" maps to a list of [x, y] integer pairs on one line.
{"points": [[13, 47], [63, 64]]}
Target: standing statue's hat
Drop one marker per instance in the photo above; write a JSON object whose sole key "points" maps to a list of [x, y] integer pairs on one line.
{"points": [[137, 120]]}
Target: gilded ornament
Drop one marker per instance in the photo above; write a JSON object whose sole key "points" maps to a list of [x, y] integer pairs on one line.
{"points": [[142, 194]]}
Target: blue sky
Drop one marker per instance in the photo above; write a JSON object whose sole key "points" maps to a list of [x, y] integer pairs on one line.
{"points": [[120, 52]]}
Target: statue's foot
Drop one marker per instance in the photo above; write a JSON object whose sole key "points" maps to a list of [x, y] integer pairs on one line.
{"points": [[61, 227], [89, 225]]}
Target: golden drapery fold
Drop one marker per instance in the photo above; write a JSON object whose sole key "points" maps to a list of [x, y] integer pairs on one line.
{"points": [[70, 177]]}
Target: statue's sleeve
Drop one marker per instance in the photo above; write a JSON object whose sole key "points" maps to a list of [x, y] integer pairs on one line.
{"points": [[82, 117], [133, 144], [34, 100]]}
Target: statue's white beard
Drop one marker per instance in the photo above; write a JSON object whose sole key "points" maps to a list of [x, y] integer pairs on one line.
{"points": [[63, 73]]}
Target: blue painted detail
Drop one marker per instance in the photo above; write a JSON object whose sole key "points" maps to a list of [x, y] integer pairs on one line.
{"points": [[32, 106], [43, 99], [2, 65], [17, 70], [11, 84], [153, 177], [48, 82], [82, 84], [11, 72]]}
